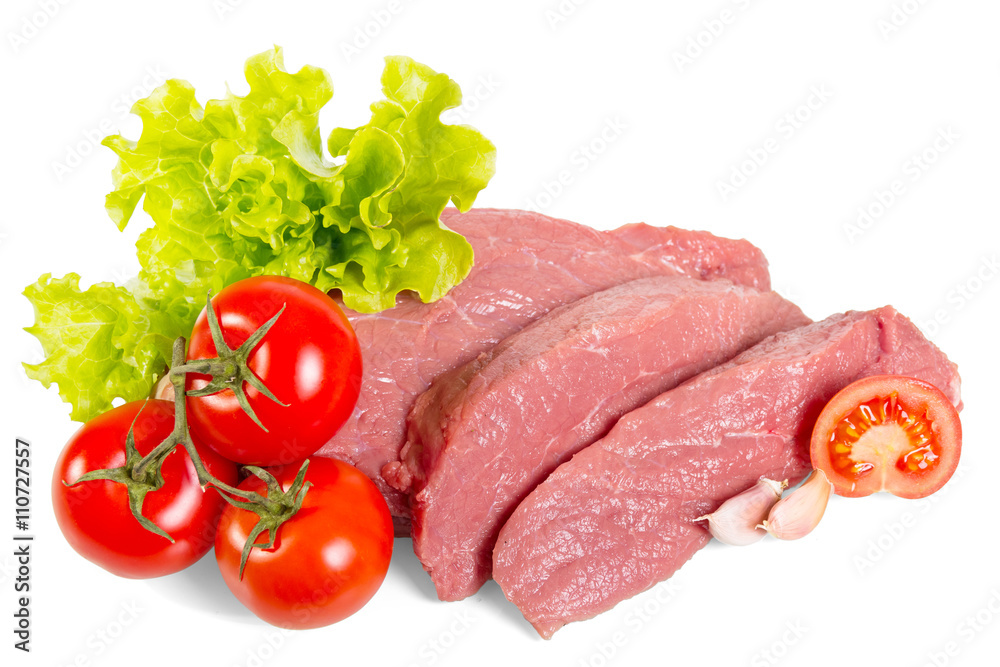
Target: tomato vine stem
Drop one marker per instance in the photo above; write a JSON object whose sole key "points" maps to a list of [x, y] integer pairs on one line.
{"points": [[181, 435], [228, 371]]}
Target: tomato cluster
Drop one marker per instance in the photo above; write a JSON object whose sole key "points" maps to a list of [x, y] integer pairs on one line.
{"points": [[306, 374]]}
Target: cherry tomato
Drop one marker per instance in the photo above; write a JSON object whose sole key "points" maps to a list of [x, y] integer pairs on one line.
{"points": [[310, 360], [887, 433], [95, 517], [328, 560]]}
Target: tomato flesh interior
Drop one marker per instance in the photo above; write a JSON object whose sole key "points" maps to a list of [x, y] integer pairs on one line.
{"points": [[881, 431]]}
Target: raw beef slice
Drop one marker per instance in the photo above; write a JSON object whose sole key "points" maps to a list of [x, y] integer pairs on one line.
{"points": [[484, 435], [619, 517], [526, 264]]}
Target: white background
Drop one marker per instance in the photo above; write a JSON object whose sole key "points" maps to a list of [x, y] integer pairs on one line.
{"points": [[863, 588]]}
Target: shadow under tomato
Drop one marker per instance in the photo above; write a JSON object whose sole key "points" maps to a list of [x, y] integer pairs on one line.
{"points": [[201, 586]]}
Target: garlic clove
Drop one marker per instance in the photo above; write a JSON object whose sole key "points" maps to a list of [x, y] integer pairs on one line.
{"points": [[796, 514], [736, 521], [164, 389]]}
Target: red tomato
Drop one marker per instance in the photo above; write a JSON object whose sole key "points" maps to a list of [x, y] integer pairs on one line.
{"points": [[310, 360], [328, 559], [95, 517], [887, 433]]}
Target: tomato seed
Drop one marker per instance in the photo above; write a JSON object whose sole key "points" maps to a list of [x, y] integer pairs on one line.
{"points": [[922, 454]]}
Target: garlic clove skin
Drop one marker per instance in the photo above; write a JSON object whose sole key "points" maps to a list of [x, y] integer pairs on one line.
{"points": [[798, 513], [164, 389], [736, 521]]}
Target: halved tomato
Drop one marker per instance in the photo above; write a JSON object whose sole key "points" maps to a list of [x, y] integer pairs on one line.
{"points": [[887, 433]]}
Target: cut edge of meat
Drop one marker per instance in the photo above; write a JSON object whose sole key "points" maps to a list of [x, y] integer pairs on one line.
{"points": [[371, 437], [438, 427]]}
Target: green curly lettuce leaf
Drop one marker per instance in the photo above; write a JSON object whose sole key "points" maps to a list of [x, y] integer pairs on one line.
{"points": [[99, 343], [241, 187]]}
